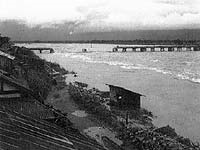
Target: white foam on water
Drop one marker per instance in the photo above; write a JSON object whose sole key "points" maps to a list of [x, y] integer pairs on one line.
{"points": [[129, 66], [188, 76], [155, 60], [82, 57], [140, 67], [183, 76], [195, 80]]}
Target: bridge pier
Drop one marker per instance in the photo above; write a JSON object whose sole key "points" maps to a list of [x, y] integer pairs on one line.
{"points": [[179, 49], [152, 49], [188, 48], [123, 49], [170, 49], [162, 49], [134, 49], [40, 51], [196, 48], [114, 49], [143, 49]]}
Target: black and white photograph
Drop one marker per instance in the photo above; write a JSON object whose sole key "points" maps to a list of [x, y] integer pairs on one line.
{"points": [[99, 74]]}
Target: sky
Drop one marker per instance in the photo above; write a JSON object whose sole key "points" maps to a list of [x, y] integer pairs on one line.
{"points": [[100, 15]]}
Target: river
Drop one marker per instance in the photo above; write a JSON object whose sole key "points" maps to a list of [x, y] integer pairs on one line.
{"points": [[169, 80]]}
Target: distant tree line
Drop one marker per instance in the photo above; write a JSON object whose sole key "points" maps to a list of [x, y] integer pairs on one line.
{"points": [[137, 41], [4, 40]]}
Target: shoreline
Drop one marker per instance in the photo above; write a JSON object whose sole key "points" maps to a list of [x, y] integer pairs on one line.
{"points": [[125, 134], [80, 75], [164, 130]]}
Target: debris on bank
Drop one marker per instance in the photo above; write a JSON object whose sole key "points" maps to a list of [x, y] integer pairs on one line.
{"points": [[102, 135], [80, 113], [156, 139], [135, 131]]}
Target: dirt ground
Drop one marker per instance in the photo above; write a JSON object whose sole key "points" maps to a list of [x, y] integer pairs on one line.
{"points": [[85, 123]]}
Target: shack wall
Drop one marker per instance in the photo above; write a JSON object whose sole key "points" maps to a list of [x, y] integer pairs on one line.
{"points": [[6, 64], [124, 97]]}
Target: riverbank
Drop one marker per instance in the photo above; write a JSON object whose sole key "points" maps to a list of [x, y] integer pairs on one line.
{"points": [[139, 133], [86, 123], [81, 66], [90, 117], [38, 78]]}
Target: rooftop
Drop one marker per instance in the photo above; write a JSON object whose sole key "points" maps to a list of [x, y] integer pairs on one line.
{"points": [[19, 131], [7, 55], [118, 87]]}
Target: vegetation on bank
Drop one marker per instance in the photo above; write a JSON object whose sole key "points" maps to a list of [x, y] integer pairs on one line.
{"points": [[140, 135], [4, 41], [34, 70]]}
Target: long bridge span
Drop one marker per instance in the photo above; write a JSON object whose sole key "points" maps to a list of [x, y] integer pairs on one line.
{"points": [[157, 48]]}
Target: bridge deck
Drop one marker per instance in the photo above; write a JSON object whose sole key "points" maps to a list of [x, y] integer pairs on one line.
{"points": [[42, 49], [161, 48]]}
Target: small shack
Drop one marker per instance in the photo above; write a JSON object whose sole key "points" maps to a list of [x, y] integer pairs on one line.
{"points": [[124, 98], [6, 62], [10, 89]]}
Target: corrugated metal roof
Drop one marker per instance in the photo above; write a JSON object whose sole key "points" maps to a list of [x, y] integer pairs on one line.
{"points": [[18, 131], [41, 130], [7, 55], [21, 132], [114, 86], [15, 83]]}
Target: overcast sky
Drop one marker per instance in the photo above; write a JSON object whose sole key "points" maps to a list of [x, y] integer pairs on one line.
{"points": [[62, 19], [105, 13]]}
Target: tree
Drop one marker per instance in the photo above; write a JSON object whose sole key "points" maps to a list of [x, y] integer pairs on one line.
{"points": [[4, 40]]}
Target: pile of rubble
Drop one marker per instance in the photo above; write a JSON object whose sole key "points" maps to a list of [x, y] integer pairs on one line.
{"points": [[156, 139]]}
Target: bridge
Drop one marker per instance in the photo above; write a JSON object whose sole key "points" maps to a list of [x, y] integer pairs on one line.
{"points": [[42, 49], [157, 48]]}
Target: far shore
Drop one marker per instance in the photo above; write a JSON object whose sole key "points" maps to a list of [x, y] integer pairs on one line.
{"points": [[124, 42]]}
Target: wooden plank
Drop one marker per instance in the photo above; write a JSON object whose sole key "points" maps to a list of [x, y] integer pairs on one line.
{"points": [[7, 146], [45, 127], [14, 95], [10, 92], [1, 85], [36, 137]]}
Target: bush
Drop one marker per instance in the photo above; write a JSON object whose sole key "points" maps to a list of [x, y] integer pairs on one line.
{"points": [[56, 95]]}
